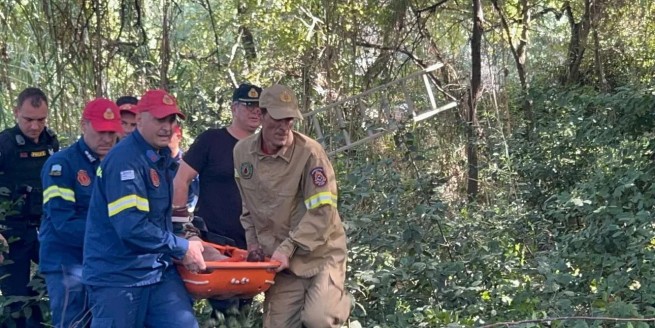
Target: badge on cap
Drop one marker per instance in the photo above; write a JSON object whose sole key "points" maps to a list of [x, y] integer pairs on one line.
{"points": [[154, 177], [55, 170], [285, 96], [253, 93], [246, 170], [83, 178], [167, 100], [108, 115], [318, 176]]}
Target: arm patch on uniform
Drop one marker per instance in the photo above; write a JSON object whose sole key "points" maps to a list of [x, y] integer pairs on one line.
{"points": [[127, 175], [318, 176], [55, 170]]}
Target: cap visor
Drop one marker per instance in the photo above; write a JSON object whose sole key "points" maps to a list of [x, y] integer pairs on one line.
{"points": [[161, 112], [130, 110], [282, 113], [107, 126]]}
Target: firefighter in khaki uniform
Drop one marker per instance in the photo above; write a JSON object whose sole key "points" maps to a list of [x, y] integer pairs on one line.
{"points": [[290, 213]]}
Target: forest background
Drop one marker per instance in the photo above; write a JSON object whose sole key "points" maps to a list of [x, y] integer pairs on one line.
{"points": [[531, 200]]}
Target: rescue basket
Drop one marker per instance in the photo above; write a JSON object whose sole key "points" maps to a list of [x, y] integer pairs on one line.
{"points": [[232, 277]]}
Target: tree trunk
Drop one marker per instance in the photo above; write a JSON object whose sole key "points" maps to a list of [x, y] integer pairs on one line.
{"points": [[97, 49], [578, 41], [165, 54], [519, 52], [475, 91]]}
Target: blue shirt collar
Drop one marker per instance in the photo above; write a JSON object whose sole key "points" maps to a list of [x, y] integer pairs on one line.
{"points": [[88, 153], [153, 154]]}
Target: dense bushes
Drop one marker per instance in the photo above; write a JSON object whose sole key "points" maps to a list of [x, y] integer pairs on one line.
{"points": [[575, 239]]}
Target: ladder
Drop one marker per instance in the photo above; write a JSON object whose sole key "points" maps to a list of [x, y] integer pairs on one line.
{"points": [[376, 111]]}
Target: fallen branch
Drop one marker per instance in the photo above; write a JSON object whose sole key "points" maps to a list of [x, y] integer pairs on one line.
{"points": [[514, 323]]}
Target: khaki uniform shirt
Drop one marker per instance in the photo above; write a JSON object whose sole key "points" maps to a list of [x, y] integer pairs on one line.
{"points": [[290, 203]]}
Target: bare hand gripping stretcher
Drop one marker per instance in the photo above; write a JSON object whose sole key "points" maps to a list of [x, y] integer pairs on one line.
{"points": [[232, 277]]}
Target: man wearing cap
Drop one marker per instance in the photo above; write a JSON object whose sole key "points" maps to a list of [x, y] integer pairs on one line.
{"points": [[67, 179], [24, 149], [289, 195], [127, 106], [129, 244], [210, 157]]}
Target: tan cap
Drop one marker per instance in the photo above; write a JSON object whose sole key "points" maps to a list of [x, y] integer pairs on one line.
{"points": [[280, 102]]}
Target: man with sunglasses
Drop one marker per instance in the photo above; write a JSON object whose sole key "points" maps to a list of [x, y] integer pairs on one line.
{"points": [[210, 157]]}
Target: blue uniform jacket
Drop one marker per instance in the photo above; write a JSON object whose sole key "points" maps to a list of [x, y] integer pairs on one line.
{"points": [[129, 238], [67, 179]]}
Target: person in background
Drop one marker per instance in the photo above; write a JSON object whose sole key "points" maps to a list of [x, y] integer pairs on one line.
{"points": [[177, 153], [289, 194], [68, 177], [210, 158], [127, 106], [24, 149], [129, 244]]}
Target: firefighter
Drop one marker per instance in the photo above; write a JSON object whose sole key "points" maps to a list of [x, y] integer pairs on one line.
{"points": [[290, 213], [68, 178], [129, 244]]}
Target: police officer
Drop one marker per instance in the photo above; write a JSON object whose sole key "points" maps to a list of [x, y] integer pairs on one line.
{"points": [[24, 149], [289, 194], [68, 178], [129, 244]]}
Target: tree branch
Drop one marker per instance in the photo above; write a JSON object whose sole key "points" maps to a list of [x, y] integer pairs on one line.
{"points": [[514, 323]]}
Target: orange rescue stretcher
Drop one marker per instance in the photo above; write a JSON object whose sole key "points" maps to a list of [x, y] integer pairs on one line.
{"points": [[232, 277]]}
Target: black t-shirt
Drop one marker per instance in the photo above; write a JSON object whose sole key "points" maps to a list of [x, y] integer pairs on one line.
{"points": [[219, 202]]}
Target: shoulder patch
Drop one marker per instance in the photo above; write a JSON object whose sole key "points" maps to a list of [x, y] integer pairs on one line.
{"points": [[318, 176], [127, 175], [55, 170], [246, 170]]}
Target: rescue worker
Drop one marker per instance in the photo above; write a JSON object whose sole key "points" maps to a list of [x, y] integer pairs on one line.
{"points": [[210, 157], [289, 195], [24, 149], [68, 177], [127, 106], [129, 244]]}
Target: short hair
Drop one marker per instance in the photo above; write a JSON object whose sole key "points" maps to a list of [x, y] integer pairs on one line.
{"points": [[34, 95], [126, 100]]}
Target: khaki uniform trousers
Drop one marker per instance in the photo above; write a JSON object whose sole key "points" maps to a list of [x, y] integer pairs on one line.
{"points": [[317, 302]]}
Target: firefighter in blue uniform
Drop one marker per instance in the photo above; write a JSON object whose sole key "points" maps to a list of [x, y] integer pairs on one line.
{"points": [[68, 178], [24, 149], [129, 244]]}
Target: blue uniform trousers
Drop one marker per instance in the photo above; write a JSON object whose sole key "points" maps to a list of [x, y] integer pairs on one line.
{"points": [[21, 252], [68, 299], [161, 305]]}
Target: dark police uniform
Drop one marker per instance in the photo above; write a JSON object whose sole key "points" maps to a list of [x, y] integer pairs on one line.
{"points": [[129, 244], [21, 160], [67, 178]]}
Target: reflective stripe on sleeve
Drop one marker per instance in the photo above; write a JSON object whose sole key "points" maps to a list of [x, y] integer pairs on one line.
{"points": [[322, 198], [57, 191], [126, 202]]}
